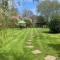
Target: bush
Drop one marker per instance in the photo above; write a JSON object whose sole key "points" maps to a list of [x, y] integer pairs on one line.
{"points": [[28, 22], [54, 24], [21, 23]]}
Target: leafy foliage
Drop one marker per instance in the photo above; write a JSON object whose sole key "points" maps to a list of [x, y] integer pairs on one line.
{"points": [[54, 24], [28, 22], [27, 13], [48, 7]]}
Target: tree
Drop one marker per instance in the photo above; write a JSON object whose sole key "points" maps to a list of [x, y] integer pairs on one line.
{"points": [[28, 22], [54, 24], [8, 13], [13, 12], [5, 6], [27, 13], [48, 7]]}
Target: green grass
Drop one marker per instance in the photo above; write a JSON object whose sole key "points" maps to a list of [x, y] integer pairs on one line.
{"points": [[13, 44]]}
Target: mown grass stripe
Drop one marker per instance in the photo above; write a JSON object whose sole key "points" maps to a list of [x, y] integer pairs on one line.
{"points": [[8, 40], [15, 40], [21, 43]]}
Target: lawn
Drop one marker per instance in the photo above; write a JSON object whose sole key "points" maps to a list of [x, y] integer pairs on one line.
{"points": [[20, 44]]}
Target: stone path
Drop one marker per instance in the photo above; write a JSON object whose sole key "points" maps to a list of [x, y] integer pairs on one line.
{"points": [[30, 46], [36, 52], [30, 40], [49, 57]]}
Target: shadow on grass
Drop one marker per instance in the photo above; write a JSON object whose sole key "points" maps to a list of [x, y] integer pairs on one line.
{"points": [[48, 32], [55, 47], [11, 56]]}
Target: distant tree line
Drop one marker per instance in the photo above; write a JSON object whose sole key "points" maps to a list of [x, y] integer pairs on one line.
{"points": [[49, 9], [48, 15]]}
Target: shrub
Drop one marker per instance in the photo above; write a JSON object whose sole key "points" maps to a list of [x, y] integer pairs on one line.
{"points": [[54, 24], [28, 22], [21, 24]]}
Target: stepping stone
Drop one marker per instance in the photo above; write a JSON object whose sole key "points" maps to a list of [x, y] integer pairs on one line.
{"points": [[36, 52], [30, 40], [30, 46], [49, 57]]}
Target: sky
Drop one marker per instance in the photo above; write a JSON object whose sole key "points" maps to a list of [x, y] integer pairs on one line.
{"points": [[20, 5]]}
